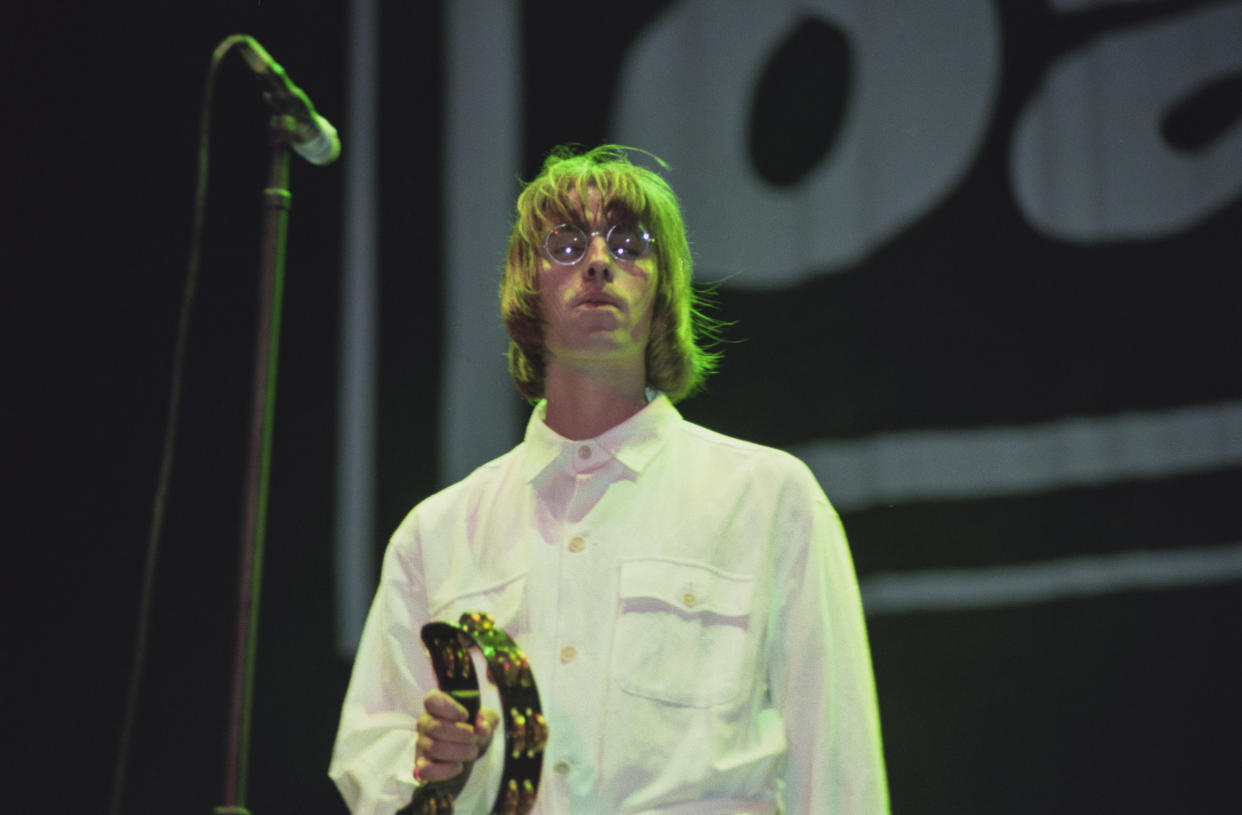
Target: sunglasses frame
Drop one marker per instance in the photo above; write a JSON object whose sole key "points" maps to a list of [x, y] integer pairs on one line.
{"points": [[590, 236]]}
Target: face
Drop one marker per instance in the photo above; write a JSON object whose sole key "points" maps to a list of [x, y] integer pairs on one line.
{"points": [[599, 309]]}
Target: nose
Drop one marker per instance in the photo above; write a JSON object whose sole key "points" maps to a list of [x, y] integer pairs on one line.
{"points": [[598, 261]]}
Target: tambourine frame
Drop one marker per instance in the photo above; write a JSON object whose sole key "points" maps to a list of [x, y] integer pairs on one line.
{"points": [[526, 732]]}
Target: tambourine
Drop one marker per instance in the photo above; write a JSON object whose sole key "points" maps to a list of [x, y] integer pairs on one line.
{"points": [[526, 731]]}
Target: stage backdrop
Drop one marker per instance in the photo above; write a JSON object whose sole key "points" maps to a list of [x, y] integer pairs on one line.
{"points": [[981, 259]]}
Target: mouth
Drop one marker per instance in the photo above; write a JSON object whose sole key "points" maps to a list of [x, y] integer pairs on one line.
{"points": [[596, 301]]}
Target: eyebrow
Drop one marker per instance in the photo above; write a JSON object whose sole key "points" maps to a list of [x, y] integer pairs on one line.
{"points": [[620, 212], [614, 213]]}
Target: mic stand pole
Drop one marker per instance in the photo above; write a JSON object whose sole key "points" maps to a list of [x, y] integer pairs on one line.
{"points": [[276, 202]]}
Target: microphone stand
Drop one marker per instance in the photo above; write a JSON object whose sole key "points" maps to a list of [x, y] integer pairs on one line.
{"points": [[276, 203]]}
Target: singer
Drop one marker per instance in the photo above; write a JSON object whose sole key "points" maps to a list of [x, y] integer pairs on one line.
{"points": [[687, 600]]}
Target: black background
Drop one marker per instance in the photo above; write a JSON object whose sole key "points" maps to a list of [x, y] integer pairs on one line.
{"points": [[1125, 702]]}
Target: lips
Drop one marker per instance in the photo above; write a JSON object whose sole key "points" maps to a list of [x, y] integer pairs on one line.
{"points": [[595, 300]]}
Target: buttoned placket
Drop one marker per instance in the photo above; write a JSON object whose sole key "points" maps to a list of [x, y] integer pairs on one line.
{"points": [[575, 589], [586, 472]]}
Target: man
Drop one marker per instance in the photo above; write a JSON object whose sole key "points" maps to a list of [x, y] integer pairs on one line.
{"points": [[687, 600]]}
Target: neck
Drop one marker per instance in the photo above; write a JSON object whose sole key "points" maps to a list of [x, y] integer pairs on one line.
{"points": [[584, 403]]}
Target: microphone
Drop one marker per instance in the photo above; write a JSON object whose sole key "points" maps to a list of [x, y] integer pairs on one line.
{"points": [[314, 138]]}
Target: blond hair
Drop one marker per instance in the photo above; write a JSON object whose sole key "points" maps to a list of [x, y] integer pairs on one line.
{"points": [[676, 361]]}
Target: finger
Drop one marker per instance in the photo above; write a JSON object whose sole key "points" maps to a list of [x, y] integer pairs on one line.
{"points": [[442, 706], [485, 724], [440, 730], [426, 770], [450, 751]]}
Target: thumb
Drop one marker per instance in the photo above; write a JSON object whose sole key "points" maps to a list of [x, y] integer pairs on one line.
{"points": [[485, 722]]}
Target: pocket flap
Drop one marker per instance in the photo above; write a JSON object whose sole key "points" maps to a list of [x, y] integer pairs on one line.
{"points": [[501, 599], [693, 588]]}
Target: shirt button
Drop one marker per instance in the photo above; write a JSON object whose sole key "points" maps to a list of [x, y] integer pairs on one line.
{"points": [[561, 768], [569, 653], [689, 599], [584, 451], [576, 544]]}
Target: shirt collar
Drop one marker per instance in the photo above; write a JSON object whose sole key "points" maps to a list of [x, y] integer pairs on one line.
{"points": [[634, 442]]}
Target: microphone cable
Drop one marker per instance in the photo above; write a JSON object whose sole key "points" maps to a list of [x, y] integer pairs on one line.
{"points": [[160, 500]]}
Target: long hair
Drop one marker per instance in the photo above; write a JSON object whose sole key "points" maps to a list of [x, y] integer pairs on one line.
{"points": [[677, 362]]}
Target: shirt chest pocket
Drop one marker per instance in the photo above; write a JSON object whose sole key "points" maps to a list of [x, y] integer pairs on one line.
{"points": [[503, 599], [684, 632]]}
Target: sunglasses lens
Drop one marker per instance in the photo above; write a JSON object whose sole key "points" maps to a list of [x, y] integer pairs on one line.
{"points": [[629, 242], [566, 244]]}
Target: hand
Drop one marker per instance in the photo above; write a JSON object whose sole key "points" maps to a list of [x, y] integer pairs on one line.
{"points": [[446, 740]]}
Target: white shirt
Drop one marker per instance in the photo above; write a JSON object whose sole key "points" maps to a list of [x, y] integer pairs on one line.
{"points": [[690, 611]]}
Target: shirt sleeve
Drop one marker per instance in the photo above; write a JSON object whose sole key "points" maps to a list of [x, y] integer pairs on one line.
{"points": [[820, 668], [373, 757]]}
